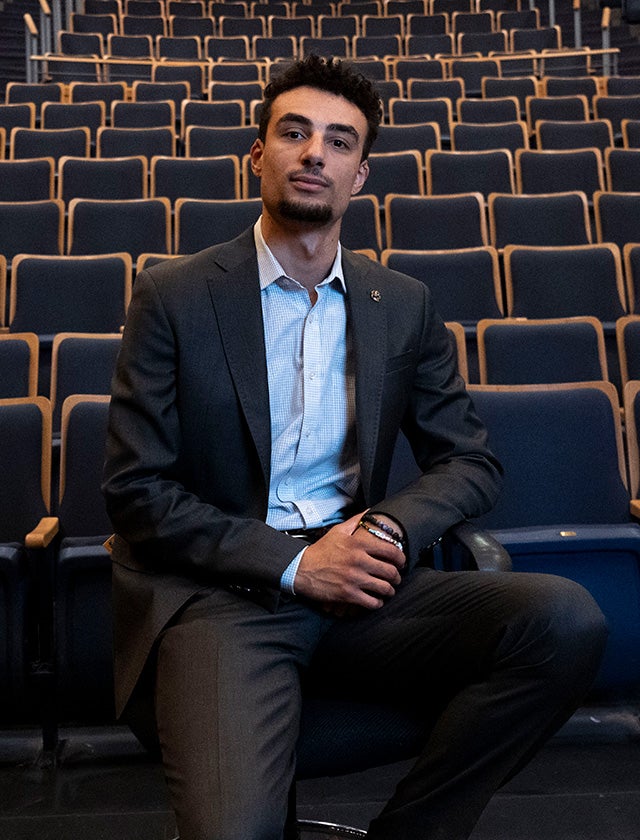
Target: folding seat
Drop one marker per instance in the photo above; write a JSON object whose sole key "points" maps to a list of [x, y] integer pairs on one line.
{"points": [[628, 344], [452, 88], [575, 107], [398, 138], [361, 224], [435, 222], [541, 38], [511, 18], [560, 218], [82, 661], [186, 8], [49, 142], [143, 8], [274, 47], [31, 179], [103, 7], [102, 178], [436, 23], [159, 114], [560, 282], [471, 71], [200, 223], [73, 115], [630, 131], [26, 529], [19, 93], [242, 91], [132, 226], [465, 282], [431, 45], [382, 25], [616, 109], [397, 172], [31, 227], [19, 114], [631, 259], [106, 92], [622, 85], [404, 7], [294, 27], [81, 363], [179, 47], [181, 72], [152, 25], [450, 6], [574, 134], [81, 44], [235, 8], [449, 172], [328, 26], [411, 111], [183, 26], [338, 45], [565, 505], [238, 71], [54, 294], [467, 137], [519, 86], [130, 57], [521, 351], [231, 27], [105, 24], [417, 68], [559, 170], [388, 89], [208, 178], [622, 169], [161, 91], [485, 110], [18, 364], [465, 21], [569, 86], [265, 9], [133, 142], [617, 217], [484, 43], [359, 7], [211, 114], [211, 141], [315, 9]]}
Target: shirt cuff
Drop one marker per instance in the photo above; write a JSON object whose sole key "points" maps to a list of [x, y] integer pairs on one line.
{"points": [[288, 576]]}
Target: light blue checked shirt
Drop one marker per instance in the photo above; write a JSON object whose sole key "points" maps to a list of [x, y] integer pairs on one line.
{"points": [[314, 465]]}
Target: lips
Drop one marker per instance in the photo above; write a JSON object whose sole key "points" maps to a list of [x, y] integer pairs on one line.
{"points": [[309, 180]]}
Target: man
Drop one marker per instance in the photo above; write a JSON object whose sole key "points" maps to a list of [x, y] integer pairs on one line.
{"points": [[259, 393]]}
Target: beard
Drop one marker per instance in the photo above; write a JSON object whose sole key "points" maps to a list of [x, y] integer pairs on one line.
{"points": [[318, 214]]}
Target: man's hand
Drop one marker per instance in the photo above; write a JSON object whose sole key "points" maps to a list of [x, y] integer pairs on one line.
{"points": [[349, 567]]}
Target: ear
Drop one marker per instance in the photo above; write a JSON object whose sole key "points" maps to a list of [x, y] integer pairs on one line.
{"points": [[361, 177], [256, 157]]}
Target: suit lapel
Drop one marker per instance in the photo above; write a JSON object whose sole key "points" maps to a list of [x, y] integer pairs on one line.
{"points": [[235, 294], [368, 325]]}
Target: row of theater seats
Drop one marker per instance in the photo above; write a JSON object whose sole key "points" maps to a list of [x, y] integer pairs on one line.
{"points": [[226, 176], [570, 453], [402, 221]]}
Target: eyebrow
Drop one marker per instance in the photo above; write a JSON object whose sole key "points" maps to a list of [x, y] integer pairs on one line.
{"points": [[299, 118]]}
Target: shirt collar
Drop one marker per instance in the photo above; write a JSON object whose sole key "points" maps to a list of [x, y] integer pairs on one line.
{"points": [[270, 270]]}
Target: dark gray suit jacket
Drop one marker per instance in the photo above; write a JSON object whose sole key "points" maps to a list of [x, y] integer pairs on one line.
{"points": [[188, 449]]}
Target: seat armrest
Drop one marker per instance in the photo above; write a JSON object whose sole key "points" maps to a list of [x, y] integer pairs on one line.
{"points": [[43, 533], [465, 546]]}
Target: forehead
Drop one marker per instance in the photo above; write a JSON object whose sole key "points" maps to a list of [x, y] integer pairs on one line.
{"points": [[320, 108]]}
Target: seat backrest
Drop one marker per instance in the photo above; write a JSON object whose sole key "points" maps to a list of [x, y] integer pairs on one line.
{"points": [[470, 137], [574, 134], [539, 107], [210, 141], [50, 142], [439, 110], [398, 172], [81, 363], [616, 109], [207, 177], [18, 365], [517, 351], [488, 110], [561, 447], [465, 283], [129, 225], [398, 138], [31, 227], [622, 169], [559, 170], [70, 294], [552, 282], [25, 465], [199, 223], [628, 347], [617, 217], [361, 225], [631, 259], [31, 179], [102, 178], [545, 219], [485, 172], [132, 142], [73, 115], [435, 222], [143, 114]]}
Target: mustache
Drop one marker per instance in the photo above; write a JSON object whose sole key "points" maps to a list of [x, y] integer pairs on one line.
{"points": [[314, 172]]}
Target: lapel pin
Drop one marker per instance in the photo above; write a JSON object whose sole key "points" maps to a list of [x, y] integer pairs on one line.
{"points": [[375, 295]]}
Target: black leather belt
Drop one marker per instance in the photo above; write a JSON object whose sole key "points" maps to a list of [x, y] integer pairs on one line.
{"points": [[310, 535]]}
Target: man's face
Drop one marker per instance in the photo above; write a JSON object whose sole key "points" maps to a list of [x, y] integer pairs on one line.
{"points": [[310, 161]]}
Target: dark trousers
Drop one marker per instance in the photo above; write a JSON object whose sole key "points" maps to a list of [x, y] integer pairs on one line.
{"points": [[499, 661]]}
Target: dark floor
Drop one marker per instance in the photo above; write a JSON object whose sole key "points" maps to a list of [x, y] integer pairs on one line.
{"points": [[584, 785]]}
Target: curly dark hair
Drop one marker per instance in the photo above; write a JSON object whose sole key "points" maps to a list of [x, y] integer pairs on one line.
{"points": [[333, 76]]}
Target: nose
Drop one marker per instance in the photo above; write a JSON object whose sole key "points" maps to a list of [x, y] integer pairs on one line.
{"points": [[313, 153]]}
